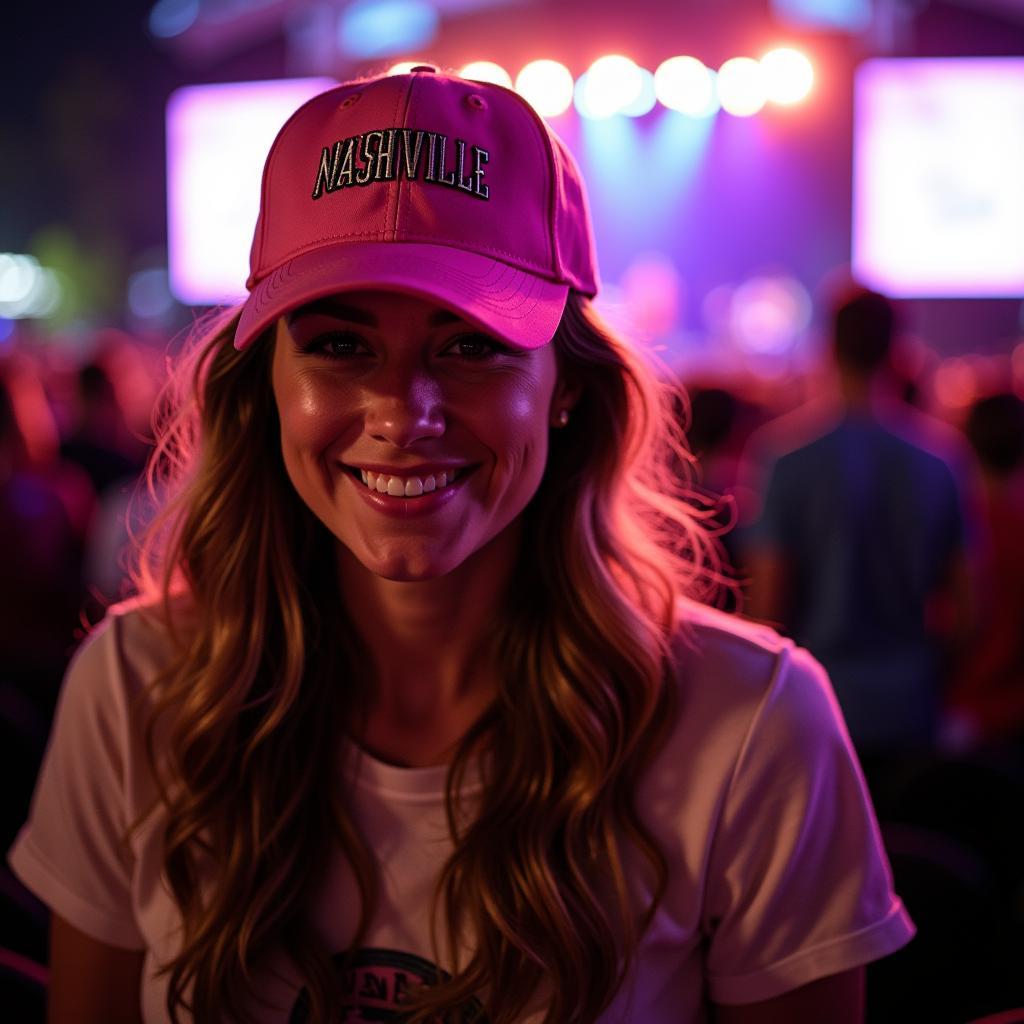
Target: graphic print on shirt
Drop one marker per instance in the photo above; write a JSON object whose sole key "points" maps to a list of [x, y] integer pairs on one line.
{"points": [[377, 986]]}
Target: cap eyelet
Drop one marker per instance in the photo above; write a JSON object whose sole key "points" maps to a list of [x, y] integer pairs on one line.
{"points": [[349, 100], [476, 101]]}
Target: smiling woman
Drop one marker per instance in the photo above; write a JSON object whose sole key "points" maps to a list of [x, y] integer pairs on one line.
{"points": [[423, 710]]}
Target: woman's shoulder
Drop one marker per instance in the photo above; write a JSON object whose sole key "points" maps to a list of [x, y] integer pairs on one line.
{"points": [[128, 647], [726, 664], [705, 633]]}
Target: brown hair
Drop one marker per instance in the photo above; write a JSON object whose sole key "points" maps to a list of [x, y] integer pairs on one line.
{"points": [[534, 884]]}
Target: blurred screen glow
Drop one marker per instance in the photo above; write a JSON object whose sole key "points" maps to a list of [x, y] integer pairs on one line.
{"points": [[218, 137], [938, 200], [547, 86]]}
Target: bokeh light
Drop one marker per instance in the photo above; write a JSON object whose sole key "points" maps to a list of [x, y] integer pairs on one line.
{"points": [[487, 71], [608, 86], [169, 18], [768, 313], [955, 383], [547, 86], [26, 288], [741, 86], [646, 99], [403, 67], [654, 293], [373, 28], [788, 75], [686, 85]]}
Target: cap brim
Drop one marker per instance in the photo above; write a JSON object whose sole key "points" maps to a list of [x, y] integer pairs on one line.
{"points": [[520, 308]]}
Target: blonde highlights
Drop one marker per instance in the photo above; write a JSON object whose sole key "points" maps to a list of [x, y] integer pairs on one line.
{"points": [[535, 886]]}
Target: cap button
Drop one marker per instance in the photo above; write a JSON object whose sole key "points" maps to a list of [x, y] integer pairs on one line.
{"points": [[424, 67]]}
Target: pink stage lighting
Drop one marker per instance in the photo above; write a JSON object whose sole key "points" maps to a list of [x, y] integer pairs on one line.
{"points": [[938, 202], [218, 137]]}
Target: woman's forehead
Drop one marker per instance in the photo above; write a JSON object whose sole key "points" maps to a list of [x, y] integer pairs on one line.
{"points": [[370, 308]]}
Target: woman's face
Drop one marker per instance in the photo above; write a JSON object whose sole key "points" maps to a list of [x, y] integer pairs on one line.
{"points": [[385, 389]]}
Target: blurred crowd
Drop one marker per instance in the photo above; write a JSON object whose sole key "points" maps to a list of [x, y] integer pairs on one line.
{"points": [[886, 539]]}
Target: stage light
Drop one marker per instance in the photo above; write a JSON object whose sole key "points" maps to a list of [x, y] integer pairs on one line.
{"points": [[741, 86], [547, 86], [27, 289], [487, 71], [788, 75], [608, 86], [646, 99], [686, 85], [373, 28], [169, 18], [404, 67]]}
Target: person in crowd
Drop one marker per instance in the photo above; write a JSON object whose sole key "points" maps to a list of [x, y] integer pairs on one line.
{"points": [[96, 441], [986, 699], [44, 506], [424, 707], [861, 549]]}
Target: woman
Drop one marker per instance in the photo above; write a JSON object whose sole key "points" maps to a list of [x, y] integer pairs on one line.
{"points": [[427, 649]]}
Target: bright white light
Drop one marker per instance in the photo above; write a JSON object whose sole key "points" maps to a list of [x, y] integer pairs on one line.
{"points": [[646, 99], [404, 67], [26, 288], [788, 75], [686, 85], [487, 71], [547, 86], [610, 85], [741, 86], [17, 277]]}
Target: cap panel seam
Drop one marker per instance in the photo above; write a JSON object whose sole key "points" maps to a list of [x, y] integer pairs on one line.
{"points": [[405, 193], [543, 142], [399, 121]]}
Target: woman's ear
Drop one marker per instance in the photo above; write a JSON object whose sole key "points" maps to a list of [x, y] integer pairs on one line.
{"points": [[567, 394]]}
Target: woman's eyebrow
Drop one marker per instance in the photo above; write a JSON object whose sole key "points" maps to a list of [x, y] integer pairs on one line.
{"points": [[338, 310], [342, 311]]}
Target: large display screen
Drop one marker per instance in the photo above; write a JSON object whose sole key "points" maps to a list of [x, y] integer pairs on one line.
{"points": [[938, 184], [218, 137]]}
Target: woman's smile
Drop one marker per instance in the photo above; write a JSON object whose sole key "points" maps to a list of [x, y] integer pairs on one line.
{"points": [[413, 436]]}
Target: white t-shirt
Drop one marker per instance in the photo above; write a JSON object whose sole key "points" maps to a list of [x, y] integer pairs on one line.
{"points": [[777, 874]]}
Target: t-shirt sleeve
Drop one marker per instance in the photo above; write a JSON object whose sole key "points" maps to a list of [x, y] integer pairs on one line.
{"points": [[799, 883], [69, 853]]}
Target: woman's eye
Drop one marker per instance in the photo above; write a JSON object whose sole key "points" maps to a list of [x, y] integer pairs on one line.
{"points": [[335, 344], [476, 346]]}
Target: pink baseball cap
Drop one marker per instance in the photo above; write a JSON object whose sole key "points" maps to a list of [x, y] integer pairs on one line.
{"points": [[425, 183]]}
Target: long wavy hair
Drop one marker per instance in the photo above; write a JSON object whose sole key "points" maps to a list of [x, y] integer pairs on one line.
{"points": [[265, 666]]}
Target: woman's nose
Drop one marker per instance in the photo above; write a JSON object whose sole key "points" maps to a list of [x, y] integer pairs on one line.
{"points": [[405, 408]]}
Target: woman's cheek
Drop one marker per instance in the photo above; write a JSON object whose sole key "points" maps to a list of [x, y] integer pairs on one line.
{"points": [[314, 414]]}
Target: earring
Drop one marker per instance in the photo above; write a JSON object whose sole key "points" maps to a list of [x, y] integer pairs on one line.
{"points": [[563, 417]]}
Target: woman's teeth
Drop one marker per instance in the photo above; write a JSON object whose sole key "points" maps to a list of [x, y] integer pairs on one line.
{"points": [[408, 486]]}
